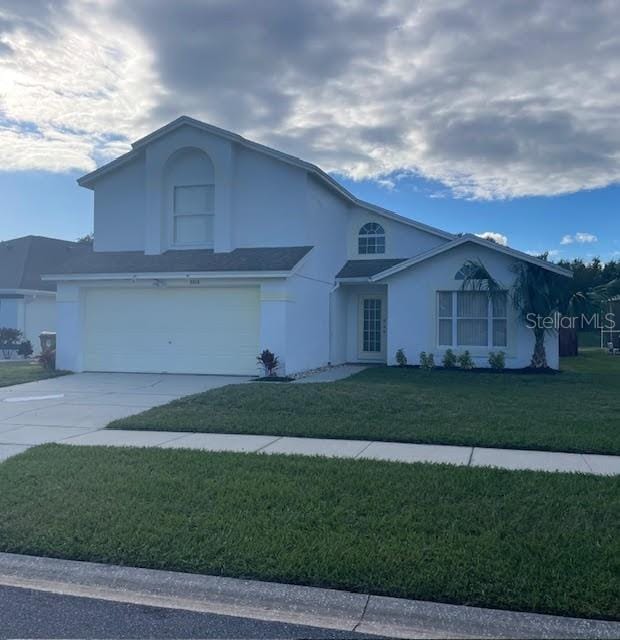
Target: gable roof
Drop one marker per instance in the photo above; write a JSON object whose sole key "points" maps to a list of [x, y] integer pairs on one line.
{"points": [[468, 237], [187, 261], [89, 179], [24, 260]]}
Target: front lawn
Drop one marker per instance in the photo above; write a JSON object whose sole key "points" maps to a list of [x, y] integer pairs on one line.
{"points": [[506, 539], [19, 372], [576, 410]]}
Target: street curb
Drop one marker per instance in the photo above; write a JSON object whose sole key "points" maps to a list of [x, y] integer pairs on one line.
{"points": [[316, 607]]}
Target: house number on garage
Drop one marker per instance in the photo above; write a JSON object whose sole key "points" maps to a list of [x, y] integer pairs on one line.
{"points": [[194, 281]]}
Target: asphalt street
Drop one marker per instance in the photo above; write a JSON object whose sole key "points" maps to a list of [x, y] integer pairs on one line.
{"points": [[25, 613]]}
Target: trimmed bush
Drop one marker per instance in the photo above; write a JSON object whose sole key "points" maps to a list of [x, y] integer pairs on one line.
{"points": [[465, 361], [497, 360], [449, 359], [427, 361], [401, 358]]}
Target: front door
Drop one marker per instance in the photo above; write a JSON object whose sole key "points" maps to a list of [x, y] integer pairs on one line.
{"points": [[372, 327]]}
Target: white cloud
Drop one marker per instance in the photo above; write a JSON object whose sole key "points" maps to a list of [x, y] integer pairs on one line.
{"points": [[72, 93], [515, 100], [580, 238], [494, 236]]}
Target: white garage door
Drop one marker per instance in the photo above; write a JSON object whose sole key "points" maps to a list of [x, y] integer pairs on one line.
{"points": [[172, 330]]}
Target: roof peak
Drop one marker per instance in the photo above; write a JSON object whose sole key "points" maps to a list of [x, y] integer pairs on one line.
{"points": [[88, 179]]}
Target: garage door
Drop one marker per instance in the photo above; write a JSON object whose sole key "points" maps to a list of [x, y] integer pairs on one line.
{"points": [[172, 330]]}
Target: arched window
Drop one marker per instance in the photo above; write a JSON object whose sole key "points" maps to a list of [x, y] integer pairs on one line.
{"points": [[190, 185], [371, 239]]}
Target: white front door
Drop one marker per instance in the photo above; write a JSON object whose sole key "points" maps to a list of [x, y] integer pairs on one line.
{"points": [[372, 327]]}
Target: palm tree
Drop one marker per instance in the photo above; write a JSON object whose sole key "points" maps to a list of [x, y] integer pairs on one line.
{"points": [[535, 293]]}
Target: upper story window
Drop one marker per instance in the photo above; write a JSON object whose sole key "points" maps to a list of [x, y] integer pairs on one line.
{"points": [[189, 179], [371, 239], [193, 214]]}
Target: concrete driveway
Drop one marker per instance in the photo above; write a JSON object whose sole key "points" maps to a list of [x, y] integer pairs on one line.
{"points": [[58, 409]]}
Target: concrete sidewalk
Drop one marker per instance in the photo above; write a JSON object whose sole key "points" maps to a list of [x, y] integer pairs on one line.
{"points": [[360, 449], [75, 409], [325, 608]]}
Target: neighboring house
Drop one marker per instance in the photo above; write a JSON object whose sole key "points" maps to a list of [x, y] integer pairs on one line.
{"points": [[209, 248], [28, 303]]}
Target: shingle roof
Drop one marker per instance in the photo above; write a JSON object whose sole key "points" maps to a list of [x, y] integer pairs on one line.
{"points": [[366, 268], [183, 261], [24, 260]]}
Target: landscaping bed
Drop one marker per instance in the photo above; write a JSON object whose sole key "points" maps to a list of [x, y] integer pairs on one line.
{"points": [[506, 539], [576, 411], [18, 372]]}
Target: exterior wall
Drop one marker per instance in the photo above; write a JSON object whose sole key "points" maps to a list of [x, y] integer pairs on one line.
{"points": [[120, 209], [412, 309], [9, 312], [70, 326], [401, 240], [268, 202], [323, 224], [274, 308], [39, 315], [308, 324]]}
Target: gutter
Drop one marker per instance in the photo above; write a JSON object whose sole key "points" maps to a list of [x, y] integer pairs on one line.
{"points": [[201, 275]]}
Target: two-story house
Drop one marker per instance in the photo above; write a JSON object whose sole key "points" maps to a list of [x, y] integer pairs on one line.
{"points": [[210, 248]]}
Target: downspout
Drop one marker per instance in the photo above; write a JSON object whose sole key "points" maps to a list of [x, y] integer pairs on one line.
{"points": [[332, 291]]}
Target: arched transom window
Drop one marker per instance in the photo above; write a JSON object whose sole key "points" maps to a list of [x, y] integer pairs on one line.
{"points": [[371, 239]]}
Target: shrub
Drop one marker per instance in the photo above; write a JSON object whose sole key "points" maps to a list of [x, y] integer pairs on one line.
{"points": [[269, 362], [449, 359], [465, 361], [25, 349], [497, 360], [47, 359], [427, 361], [401, 358], [9, 339]]}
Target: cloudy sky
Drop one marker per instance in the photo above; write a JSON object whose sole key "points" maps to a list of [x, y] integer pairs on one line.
{"points": [[484, 116]]}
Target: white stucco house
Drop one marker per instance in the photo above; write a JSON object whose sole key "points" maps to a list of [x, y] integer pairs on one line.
{"points": [[27, 302], [210, 248]]}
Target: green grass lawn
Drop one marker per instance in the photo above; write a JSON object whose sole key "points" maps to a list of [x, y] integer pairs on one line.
{"points": [[506, 539], [19, 372], [576, 410]]}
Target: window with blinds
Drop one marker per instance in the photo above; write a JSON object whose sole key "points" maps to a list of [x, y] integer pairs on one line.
{"points": [[471, 319]]}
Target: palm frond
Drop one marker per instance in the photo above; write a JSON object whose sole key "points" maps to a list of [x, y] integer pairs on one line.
{"points": [[476, 277]]}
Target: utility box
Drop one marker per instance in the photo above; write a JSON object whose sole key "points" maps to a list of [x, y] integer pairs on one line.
{"points": [[48, 340]]}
